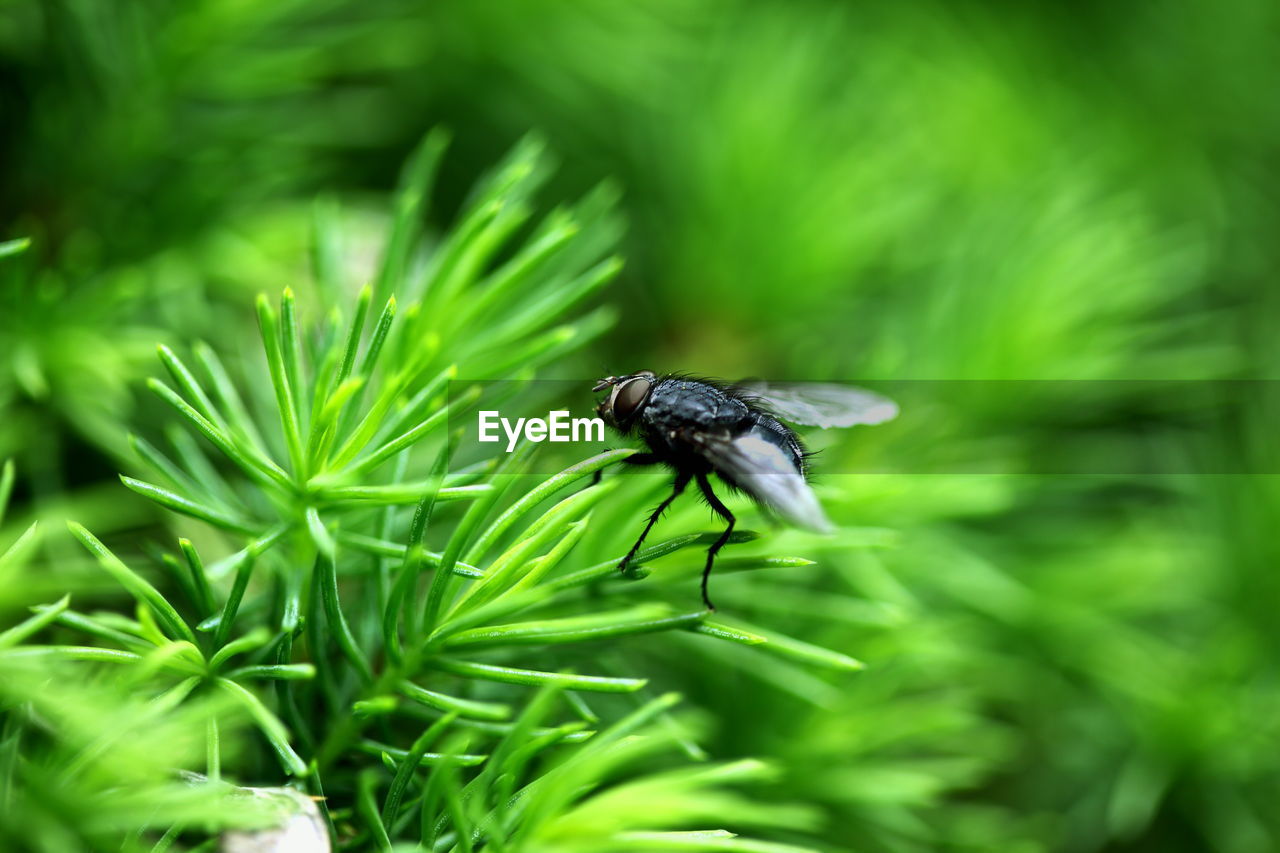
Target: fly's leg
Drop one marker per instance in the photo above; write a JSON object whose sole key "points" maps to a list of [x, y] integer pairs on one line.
{"points": [[682, 480], [642, 459], [723, 511], [634, 459]]}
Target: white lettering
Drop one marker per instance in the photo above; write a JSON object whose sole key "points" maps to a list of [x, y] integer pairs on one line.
{"points": [[560, 425], [488, 422], [513, 435], [588, 424], [557, 427]]}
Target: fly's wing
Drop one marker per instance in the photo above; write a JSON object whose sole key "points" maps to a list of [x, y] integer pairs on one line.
{"points": [[764, 470], [822, 404]]}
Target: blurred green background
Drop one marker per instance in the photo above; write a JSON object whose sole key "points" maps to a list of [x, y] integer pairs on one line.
{"points": [[814, 190]]}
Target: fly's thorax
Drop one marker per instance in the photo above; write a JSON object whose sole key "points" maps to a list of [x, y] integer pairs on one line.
{"points": [[679, 402]]}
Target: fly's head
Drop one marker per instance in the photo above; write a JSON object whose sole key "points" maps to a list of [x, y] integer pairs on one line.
{"points": [[628, 395]]}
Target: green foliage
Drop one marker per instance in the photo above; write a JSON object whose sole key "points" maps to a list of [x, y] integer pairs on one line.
{"points": [[814, 190], [328, 624]]}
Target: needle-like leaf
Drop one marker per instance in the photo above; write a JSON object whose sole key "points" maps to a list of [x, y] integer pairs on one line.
{"points": [[138, 587]]}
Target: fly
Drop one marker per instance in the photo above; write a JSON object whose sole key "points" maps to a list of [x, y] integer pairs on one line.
{"points": [[697, 427]]}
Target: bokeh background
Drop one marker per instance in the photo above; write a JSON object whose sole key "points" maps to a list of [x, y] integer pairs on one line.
{"points": [[813, 190]]}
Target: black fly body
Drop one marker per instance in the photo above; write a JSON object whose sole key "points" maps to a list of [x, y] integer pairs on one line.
{"points": [[697, 427]]}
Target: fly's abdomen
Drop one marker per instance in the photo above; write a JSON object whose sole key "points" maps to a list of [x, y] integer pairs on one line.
{"points": [[771, 431], [775, 432]]}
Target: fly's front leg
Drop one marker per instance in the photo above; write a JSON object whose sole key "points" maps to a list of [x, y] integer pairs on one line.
{"points": [[723, 511], [682, 480], [642, 459], [633, 459]]}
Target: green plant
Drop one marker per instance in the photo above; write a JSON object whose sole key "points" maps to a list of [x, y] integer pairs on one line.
{"points": [[814, 190], [382, 620]]}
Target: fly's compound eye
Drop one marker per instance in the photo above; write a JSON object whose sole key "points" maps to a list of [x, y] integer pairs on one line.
{"points": [[629, 396]]}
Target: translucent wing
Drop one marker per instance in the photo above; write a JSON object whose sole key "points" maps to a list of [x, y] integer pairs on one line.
{"points": [[763, 470], [822, 404]]}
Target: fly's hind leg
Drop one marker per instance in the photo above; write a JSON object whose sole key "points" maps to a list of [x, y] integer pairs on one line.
{"points": [[723, 511], [682, 480]]}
